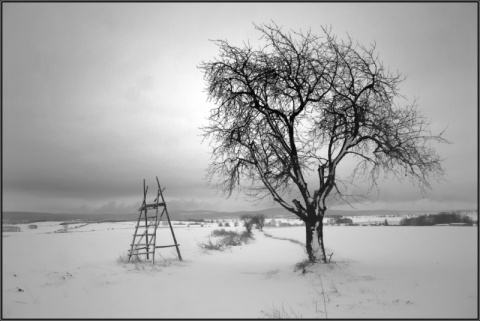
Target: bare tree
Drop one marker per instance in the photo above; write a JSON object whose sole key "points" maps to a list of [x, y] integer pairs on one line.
{"points": [[298, 106], [248, 222], [259, 220]]}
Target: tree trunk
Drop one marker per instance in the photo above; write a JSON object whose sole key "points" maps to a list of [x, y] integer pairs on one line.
{"points": [[314, 241]]}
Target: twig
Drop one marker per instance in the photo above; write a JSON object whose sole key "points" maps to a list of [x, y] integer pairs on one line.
{"points": [[330, 258]]}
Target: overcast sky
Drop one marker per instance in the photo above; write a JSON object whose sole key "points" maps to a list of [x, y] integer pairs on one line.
{"points": [[97, 97]]}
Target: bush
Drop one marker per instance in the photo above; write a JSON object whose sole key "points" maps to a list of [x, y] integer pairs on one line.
{"points": [[302, 266], [211, 246], [223, 232], [231, 240], [227, 239]]}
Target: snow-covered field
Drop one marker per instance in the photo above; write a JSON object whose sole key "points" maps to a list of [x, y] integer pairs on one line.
{"points": [[376, 272]]}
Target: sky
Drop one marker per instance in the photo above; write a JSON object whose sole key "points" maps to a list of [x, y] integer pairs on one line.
{"points": [[97, 97]]}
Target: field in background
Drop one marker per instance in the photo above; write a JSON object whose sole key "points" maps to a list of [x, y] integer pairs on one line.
{"points": [[376, 272]]}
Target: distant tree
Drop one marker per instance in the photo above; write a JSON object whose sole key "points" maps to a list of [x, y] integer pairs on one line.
{"points": [[259, 221], [343, 221], [220, 224], [299, 106], [227, 224], [440, 218], [247, 222], [405, 221], [386, 222]]}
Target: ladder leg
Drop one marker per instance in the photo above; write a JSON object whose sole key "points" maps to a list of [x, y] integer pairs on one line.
{"points": [[155, 229], [174, 238], [138, 223], [169, 223], [146, 223], [134, 236]]}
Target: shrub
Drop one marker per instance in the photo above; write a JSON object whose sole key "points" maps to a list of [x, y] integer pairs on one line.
{"points": [[246, 237], [231, 240], [302, 266], [227, 239], [222, 232], [217, 246]]}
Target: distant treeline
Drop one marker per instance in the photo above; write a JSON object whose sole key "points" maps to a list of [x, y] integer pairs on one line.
{"points": [[433, 219]]}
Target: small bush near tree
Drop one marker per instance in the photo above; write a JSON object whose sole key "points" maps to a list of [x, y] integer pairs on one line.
{"points": [[225, 239], [222, 232]]}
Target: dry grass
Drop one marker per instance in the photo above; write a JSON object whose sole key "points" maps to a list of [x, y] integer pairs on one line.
{"points": [[123, 259], [225, 239]]}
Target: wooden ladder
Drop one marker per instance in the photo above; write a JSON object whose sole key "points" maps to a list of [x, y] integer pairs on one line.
{"points": [[149, 223]]}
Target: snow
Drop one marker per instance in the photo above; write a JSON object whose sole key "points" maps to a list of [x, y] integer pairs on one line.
{"points": [[421, 272], [376, 272]]}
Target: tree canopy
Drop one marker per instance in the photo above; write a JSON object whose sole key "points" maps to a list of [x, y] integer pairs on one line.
{"points": [[297, 106]]}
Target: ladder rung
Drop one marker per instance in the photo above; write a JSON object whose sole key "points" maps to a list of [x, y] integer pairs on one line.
{"points": [[141, 248], [151, 206], [166, 246], [148, 225], [145, 227], [142, 222], [143, 234], [138, 249], [141, 253]]}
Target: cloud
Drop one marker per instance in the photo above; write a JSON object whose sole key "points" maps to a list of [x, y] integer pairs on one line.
{"points": [[114, 208], [98, 97], [111, 207]]}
